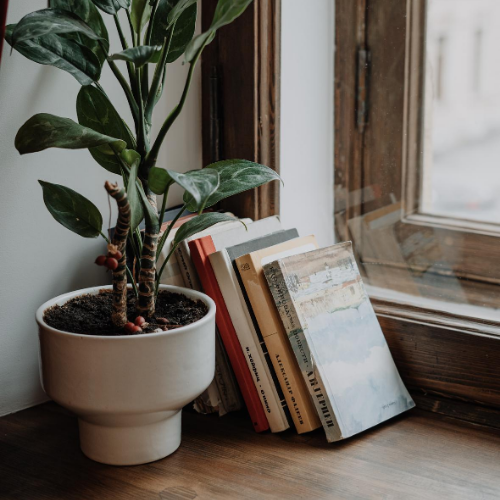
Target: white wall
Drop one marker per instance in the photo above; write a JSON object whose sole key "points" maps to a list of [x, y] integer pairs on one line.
{"points": [[307, 61], [40, 259]]}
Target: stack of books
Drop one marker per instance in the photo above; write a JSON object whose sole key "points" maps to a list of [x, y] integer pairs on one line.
{"points": [[298, 342]]}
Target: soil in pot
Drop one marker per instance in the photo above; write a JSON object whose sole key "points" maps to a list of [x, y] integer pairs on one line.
{"points": [[91, 314]]}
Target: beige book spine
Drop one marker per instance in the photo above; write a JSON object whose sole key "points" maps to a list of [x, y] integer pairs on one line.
{"points": [[292, 383]]}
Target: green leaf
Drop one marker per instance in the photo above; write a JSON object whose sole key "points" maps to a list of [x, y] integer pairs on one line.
{"points": [[225, 13], [44, 131], [138, 55], [236, 176], [139, 14], [72, 210], [202, 184], [198, 184], [53, 50], [200, 223], [133, 160], [184, 26], [96, 112], [111, 6], [88, 13], [52, 22], [178, 9]]}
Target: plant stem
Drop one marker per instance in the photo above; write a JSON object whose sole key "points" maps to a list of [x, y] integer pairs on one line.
{"points": [[119, 314], [153, 154], [132, 280], [104, 236], [130, 66], [130, 97], [132, 31], [165, 235], [142, 140], [157, 286], [163, 206], [161, 67]]}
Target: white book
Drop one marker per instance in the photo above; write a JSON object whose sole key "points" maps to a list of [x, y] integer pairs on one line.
{"points": [[249, 341]]}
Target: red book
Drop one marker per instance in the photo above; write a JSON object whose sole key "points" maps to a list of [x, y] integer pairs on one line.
{"points": [[200, 250]]}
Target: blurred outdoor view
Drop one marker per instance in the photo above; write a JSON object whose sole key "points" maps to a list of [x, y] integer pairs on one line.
{"points": [[462, 110]]}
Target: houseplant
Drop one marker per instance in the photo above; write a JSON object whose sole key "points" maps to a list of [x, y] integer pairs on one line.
{"points": [[127, 388]]}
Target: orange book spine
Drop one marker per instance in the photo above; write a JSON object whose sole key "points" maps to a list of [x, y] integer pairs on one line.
{"points": [[304, 415]]}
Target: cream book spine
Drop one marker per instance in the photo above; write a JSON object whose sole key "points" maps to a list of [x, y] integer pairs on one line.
{"points": [[247, 336], [297, 396]]}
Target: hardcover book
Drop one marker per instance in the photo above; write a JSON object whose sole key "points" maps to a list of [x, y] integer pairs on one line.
{"points": [[248, 259], [200, 249], [337, 340]]}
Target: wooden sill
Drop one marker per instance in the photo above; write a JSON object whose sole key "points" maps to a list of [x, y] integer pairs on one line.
{"points": [[419, 455]]}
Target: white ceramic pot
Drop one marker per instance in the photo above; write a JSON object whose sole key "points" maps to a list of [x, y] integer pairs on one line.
{"points": [[128, 391]]}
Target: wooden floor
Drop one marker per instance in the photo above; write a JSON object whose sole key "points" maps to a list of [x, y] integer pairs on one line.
{"points": [[419, 455]]}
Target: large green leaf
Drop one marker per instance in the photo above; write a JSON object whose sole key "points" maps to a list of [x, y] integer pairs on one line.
{"points": [[133, 160], [178, 9], [184, 26], [44, 131], [52, 22], [88, 12], [96, 112], [72, 210], [200, 223], [61, 53], [112, 6], [138, 55], [139, 14], [225, 13], [236, 176], [198, 184]]}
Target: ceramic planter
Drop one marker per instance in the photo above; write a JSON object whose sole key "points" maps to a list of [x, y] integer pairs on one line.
{"points": [[128, 391]]}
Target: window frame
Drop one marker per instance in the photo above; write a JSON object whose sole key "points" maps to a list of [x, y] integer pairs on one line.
{"points": [[439, 354]]}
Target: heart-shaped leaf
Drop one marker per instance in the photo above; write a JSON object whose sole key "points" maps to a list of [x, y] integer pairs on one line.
{"points": [[133, 160], [138, 55], [236, 176], [44, 131], [52, 22], [139, 14], [96, 112], [87, 12], [72, 210], [111, 6], [200, 223], [184, 26], [68, 55], [225, 13]]}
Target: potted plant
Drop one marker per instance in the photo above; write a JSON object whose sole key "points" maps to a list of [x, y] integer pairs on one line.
{"points": [[128, 357]]}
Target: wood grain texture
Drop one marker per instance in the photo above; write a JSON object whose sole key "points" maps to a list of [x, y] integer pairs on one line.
{"points": [[416, 456], [241, 66]]}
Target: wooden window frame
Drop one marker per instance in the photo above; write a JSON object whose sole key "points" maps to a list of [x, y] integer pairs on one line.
{"points": [[450, 362], [240, 98]]}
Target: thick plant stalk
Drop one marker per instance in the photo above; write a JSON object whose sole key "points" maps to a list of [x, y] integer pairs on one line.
{"points": [[146, 303], [119, 315]]}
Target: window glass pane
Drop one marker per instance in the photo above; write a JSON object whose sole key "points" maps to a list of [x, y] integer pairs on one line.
{"points": [[462, 92]]}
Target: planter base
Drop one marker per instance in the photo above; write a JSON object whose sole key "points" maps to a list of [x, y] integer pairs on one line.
{"points": [[130, 439]]}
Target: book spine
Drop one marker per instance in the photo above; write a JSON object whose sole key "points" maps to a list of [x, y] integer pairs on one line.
{"points": [[200, 249], [302, 410], [222, 392], [249, 342], [295, 331]]}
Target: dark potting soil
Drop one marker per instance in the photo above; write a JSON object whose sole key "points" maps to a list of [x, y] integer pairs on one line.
{"points": [[91, 314]]}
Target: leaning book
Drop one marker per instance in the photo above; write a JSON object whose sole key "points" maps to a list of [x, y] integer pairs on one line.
{"points": [[337, 340]]}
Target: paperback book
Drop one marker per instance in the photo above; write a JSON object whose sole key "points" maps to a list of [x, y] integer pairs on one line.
{"points": [[337, 340]]}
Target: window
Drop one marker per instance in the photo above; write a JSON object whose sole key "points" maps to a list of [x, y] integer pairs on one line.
{"points": [[417, 150]]}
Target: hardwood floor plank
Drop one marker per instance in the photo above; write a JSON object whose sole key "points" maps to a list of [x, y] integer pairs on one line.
{"points": [[420, 455]]}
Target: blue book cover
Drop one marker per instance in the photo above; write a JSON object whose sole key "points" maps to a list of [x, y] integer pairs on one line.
{"points": [[337, 340]]}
